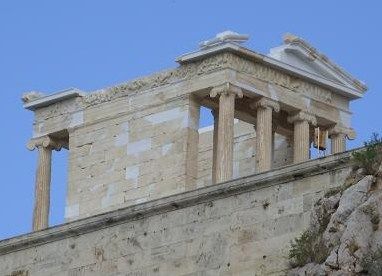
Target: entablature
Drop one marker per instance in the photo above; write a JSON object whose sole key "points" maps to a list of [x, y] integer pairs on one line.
{"points": [[223, 61]]}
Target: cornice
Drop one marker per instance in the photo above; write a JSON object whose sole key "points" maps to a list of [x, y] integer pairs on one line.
{"points": [[35, 100]]}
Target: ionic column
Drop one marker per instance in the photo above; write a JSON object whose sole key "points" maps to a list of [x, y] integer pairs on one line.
{"points": [[338, 142], [224, 151], [301, 142], [264, 137], [338, 137], [215, 114], [45, 145]]}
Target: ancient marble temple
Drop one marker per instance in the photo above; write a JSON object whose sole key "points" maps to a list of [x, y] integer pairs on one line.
{"points": [[139, 140], [134, 144]]}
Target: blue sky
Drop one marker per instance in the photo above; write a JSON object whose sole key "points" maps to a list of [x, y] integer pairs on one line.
{"points": [[52, 45]]}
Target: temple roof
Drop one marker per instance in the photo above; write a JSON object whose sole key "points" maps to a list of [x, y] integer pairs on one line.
{"points": [[295, 56], [297, 52]]}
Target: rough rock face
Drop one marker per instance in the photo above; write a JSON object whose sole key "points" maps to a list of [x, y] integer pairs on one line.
{"points": [[345, 233]]}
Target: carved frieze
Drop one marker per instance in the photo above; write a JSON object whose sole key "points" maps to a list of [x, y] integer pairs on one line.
{"points": [[311, 90], [156, 80], [271, 75], [205, 66]]}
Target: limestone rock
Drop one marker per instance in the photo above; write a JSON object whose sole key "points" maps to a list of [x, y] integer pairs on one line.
{"points": [[350, 199], [379, 172], [322, 211], [352, 231], [355, 240], [332, 260], [360, 171], [353, 196], [309, 269]]}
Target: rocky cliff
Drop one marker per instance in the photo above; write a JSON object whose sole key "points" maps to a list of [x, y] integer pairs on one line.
{"points": [[345, 232]]}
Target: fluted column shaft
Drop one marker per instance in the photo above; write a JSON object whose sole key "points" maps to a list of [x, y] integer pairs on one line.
{"points": [[215, 114], [338, 135], [45, 145], [224, 164], [301, 141], [42, 189], [338, 143], [264, 137], [224, 149]]}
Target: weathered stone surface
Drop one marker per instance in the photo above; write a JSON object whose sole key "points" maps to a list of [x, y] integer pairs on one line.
{"points": [[353, 234], [332, 260], [350, 199], [241, 227], [138, 141], [309, 269], [134, 157], [353, 197], [322, 211], [137, 144]]}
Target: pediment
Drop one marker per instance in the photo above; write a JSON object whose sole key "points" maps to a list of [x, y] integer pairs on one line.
{"points": [[298, 53]]}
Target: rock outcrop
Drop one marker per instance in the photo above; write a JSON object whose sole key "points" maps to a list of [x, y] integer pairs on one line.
{"points": [[345, 232]]}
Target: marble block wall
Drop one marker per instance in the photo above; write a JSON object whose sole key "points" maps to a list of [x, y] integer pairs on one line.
{"points": [[240, 227], [158, 151], [132, 158]]}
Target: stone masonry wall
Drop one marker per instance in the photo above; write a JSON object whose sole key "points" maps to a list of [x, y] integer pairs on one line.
{"points": [[241, 227], [132, 158], [129, 158]]}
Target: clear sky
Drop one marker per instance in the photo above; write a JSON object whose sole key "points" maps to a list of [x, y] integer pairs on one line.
{"points": [[89, 44]]}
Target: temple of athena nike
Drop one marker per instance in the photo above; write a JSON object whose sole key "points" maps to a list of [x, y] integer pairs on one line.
{"points": [[138, 159], [140, 140]]}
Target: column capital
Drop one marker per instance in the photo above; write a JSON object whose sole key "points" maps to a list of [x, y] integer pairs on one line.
{"points": [[46, 142], [266, 103], [347, 131], [226, 89], [303, 116]]}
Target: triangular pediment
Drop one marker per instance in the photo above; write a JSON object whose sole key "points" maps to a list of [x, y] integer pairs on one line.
{"points": [[300, 54]]}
